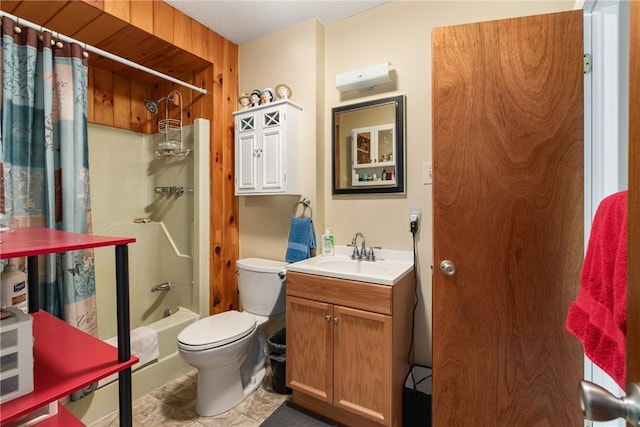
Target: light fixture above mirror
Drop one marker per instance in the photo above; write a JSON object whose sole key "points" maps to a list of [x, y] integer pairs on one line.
{"points": [[365, 78]]}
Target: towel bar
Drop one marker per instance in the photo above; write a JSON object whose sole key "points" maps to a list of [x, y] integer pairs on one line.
{"points": [[306, 204]]}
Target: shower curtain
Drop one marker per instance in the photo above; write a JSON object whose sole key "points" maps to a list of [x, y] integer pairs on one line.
{"points": [[44, 163]]}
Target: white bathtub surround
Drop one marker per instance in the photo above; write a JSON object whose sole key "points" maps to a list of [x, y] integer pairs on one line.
{"points": [[171, 247]]}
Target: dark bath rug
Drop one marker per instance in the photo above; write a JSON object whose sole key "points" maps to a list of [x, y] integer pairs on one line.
{"points": [[288, 415]]}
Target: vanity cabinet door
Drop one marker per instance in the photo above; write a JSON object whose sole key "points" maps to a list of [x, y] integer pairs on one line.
{"points": [[310, 347], [362, 363]]}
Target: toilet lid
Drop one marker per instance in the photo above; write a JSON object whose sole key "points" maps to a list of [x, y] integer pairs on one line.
{"points": [[217, 330]]}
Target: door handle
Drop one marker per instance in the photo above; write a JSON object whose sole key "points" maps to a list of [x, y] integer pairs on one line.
{"points": [[598, 404], [448, 268]]}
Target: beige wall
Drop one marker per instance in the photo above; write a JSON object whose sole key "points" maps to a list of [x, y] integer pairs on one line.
{"points": [[294, 57], [398, 32]]}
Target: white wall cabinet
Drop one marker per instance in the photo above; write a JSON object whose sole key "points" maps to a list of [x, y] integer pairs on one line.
{"points": [[267, 149], [374, 155]]}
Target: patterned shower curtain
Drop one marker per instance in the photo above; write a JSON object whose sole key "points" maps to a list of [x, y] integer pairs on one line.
{"points": [[44, 160]]}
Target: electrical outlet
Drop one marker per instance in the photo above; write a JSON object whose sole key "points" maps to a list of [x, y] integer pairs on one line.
{"points": [[415, 214]]}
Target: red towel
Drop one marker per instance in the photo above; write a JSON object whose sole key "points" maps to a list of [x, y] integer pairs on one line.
{"points": [[598, 317]]}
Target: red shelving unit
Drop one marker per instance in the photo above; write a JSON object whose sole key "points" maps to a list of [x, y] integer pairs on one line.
{"points": [[57, 371]]}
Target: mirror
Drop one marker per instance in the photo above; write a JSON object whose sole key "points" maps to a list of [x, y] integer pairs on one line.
{"points": [[368, 147]]}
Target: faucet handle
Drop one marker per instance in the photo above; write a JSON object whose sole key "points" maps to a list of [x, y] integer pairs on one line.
{"points": [[356, 253], [371, 256]]}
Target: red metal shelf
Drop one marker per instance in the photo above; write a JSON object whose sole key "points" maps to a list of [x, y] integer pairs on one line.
{"points": [[30, 241], [59, 367], [63, 418], [58, 371]]}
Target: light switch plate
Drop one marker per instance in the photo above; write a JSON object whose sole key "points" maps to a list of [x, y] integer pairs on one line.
{"points": [[427, 173]]}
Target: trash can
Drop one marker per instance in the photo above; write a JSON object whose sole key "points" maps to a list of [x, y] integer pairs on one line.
{"points": [[416, 397], [277, 347]]}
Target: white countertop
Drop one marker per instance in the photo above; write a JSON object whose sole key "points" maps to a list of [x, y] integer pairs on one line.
{"points": [[389, 267]]}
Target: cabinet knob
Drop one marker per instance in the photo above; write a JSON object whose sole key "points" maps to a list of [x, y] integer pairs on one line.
{"points": [[327, 317], [335, 320]]}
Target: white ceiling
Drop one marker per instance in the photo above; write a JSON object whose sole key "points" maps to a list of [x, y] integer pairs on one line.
{"points": [[243, 21]]}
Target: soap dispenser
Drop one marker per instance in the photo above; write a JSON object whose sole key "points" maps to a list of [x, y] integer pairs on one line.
{"points": [[328, 248]]}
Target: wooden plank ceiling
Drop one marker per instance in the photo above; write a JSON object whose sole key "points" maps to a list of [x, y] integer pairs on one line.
{"points": [[89, 24]]}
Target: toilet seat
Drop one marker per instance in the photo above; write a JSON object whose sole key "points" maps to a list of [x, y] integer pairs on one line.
{"points": [[216, 331]]}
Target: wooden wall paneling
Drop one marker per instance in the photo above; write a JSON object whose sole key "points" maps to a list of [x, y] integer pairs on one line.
{"points": [[128, 36], [102, 97], [141, 119], [199, 40], [83, 14], [226, 201], [182, 30], [142, 15], [205, 79], [9, 5], [122, 101], [95, 3], [175, 62], [230, 103], [118, 8], [37, 11], [163, 20], [103, 27], [215, 177]]}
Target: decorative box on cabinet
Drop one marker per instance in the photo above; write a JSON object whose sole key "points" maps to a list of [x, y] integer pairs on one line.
{"points": [[57, 371], [347, 346], [267, 149]]}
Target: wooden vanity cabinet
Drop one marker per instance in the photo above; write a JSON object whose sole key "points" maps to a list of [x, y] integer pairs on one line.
{"points": [[348, 346]]}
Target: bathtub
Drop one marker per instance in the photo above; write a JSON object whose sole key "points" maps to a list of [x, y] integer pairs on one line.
{"points": [[104, 400]]}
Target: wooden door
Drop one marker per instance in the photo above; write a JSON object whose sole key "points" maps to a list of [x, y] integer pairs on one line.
{"points": [[508, 211], [362, 363], [310, 347]]}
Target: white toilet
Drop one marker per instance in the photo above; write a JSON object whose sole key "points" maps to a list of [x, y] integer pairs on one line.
{"points": [[228, 348]]}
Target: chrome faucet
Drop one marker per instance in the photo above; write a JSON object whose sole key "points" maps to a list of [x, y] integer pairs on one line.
{"points": [[166, 286], [359, 254]]}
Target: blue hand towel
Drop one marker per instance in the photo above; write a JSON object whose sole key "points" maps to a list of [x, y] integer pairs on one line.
{"points": [[302, 238]]}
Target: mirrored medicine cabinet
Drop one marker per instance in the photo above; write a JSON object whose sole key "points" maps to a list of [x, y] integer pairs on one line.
{"points": [[368, 147]]}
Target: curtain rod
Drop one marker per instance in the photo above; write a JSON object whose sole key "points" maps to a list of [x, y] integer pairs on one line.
{"points": [[20, 21]]}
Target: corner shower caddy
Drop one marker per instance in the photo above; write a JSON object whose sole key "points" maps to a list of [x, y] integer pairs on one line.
{"points": [[172, 144]]}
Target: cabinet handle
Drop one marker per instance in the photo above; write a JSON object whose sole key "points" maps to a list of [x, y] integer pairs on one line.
{"points": [[335, 320], [327, 317]]}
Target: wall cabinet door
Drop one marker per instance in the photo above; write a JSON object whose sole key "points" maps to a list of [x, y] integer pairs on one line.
{"points": [[267, 149]]}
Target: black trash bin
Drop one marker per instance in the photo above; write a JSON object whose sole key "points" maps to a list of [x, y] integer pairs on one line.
{"points": [[277, 346], [416, 398]]}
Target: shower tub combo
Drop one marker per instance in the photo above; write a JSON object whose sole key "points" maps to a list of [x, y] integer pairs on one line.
{"points": [[168, 263]]}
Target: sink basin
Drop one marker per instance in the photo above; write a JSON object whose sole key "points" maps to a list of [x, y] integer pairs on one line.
{"points": [[388, 269], [352, 266]]}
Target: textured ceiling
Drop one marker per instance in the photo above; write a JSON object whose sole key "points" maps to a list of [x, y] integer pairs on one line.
{"points": [[243, 21]]}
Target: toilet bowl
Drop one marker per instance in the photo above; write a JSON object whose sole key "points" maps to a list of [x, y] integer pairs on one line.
{"points": [[227, 348]]}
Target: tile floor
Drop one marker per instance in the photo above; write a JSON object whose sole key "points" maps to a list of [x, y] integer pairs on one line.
{"points": [[174, 405]]}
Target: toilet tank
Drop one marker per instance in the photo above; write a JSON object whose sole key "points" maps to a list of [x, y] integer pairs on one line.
{"points": [[262, 290]]}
